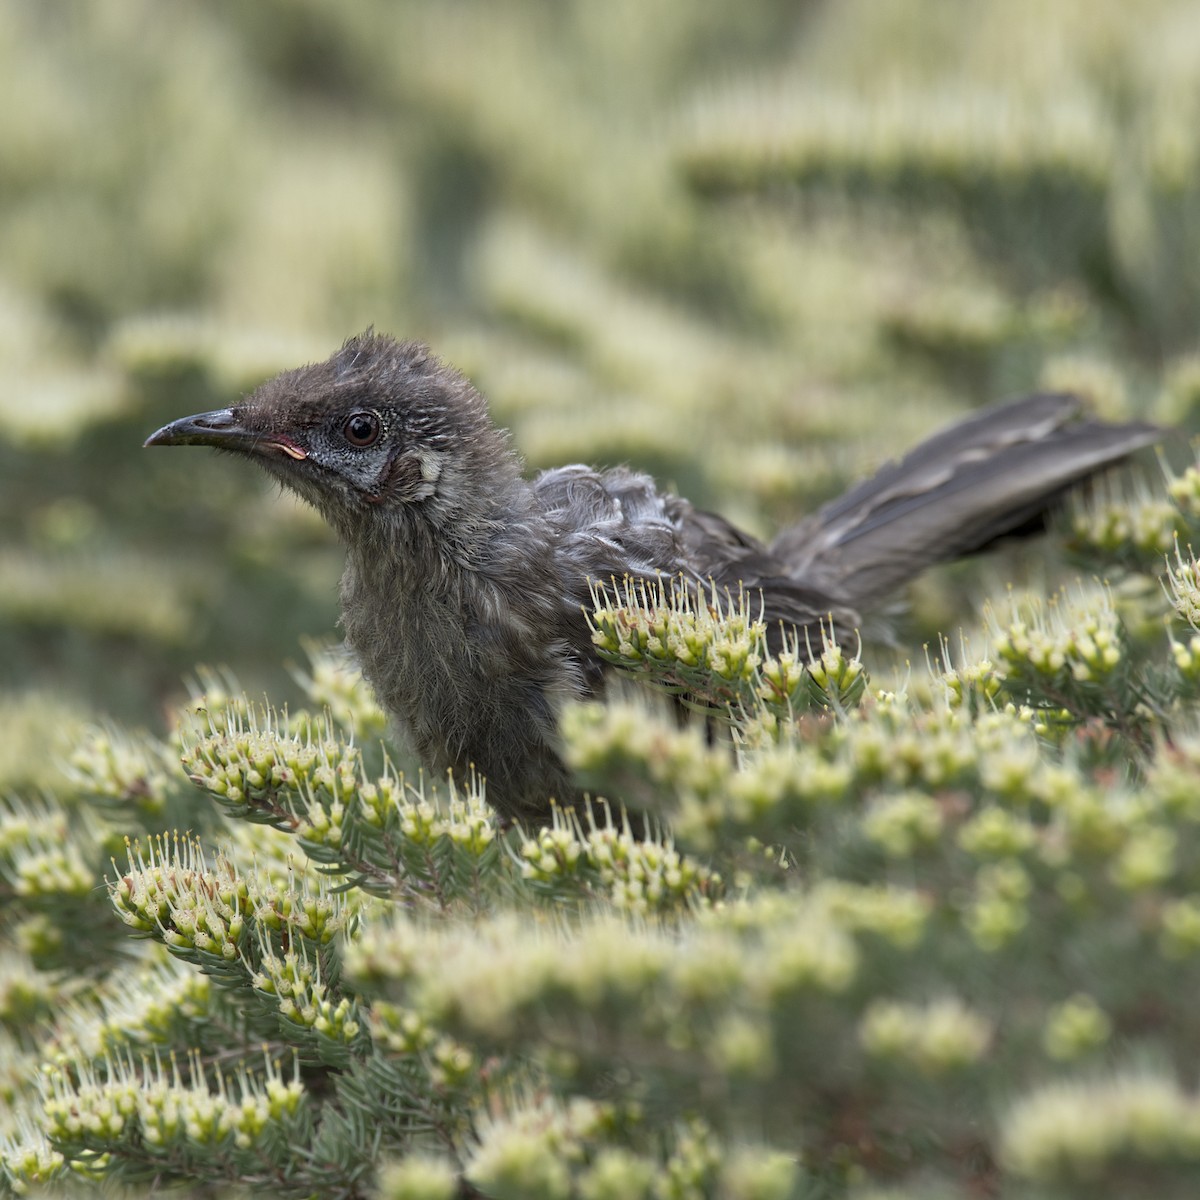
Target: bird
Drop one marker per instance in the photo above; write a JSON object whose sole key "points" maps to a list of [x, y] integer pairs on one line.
{"points": [[467, 582]]}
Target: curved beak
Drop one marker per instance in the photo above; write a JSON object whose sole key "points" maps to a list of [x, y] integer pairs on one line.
{"points": [[221, 428]]}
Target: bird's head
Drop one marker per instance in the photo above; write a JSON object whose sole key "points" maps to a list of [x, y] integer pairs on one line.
{"points": [[382, 431]]}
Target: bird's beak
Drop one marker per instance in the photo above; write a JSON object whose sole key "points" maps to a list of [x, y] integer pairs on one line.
{"points": [[223, 430]]}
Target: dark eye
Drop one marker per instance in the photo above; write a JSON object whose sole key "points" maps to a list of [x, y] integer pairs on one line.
{"points": [[362, 429]]}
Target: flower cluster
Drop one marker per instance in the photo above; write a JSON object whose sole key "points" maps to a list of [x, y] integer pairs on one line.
{"points": [[934, 1038], [256, 769], [39, 857], [625, 751], [1068, 1133], [711, 649], [639, 875], [28, 1163], [406, 1033], [1066, 640], [293, 980], [1186, 657], [418, 1177], [709, 646], [297, 907], [543, 1149], [148, 1012], [298, 774], [999, 909], [898, 915], [893, 761], [975, 685], [435, 845], [1075, 1028], [627, 977], [170, 890], [122, 769], [1117, 523], [836, 680], [1183, 583], [124, 1102], [1184, 490], [903, 822]]}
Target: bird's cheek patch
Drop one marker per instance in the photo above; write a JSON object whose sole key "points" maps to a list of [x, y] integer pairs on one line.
{"points": [[431, 467], [411, 476]]}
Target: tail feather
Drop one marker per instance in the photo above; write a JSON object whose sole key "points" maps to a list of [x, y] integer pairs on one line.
{"points": [[961, 489]]}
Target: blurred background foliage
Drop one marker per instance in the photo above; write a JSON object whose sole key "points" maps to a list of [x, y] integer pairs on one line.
{"points": [[753, 248]]}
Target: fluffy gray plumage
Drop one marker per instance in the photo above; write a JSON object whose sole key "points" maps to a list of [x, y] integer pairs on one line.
{"points": [[465, 583]]}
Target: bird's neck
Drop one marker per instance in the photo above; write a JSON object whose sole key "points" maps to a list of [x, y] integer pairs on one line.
{"points": [[490, 542], [442, 624]]}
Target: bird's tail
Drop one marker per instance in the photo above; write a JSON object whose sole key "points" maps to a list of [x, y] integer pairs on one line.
{"points": [[992, 475]]}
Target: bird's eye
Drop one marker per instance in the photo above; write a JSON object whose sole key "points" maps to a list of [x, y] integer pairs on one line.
{"points": [[362, 429]]}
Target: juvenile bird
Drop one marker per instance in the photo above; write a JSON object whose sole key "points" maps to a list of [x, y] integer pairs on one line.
{"points": [[465, 582]]}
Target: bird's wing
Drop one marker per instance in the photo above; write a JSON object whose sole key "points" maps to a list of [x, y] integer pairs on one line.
{"points": [[611, 523], [618, 523]]}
